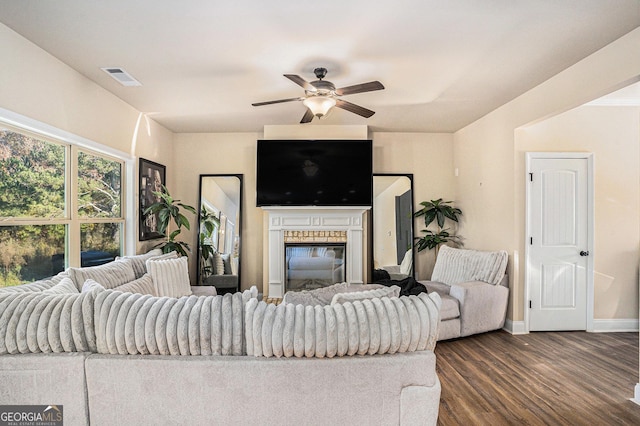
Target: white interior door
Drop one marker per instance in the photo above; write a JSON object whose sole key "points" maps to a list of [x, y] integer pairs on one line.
{"points": [[558, 255]]}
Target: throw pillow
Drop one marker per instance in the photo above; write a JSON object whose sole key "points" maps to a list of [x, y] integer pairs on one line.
{"points": [[143, 285], [226, 261], [90, 285], [65, 286], [393, 291], [454, 266], [218, 264], [170, 255], [138, 262], [110, 274], [407, 263], [170, 276]]}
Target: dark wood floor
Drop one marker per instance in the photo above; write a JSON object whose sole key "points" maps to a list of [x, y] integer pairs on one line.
{"points": [[559, 378]]}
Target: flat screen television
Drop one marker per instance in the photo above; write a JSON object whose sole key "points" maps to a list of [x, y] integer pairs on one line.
{"points": [[314, 173]]}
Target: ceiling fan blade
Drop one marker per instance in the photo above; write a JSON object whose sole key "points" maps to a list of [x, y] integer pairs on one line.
{"points": [[307, 117], [356, 109], [279, 101], [301, 82], [359, 88]]}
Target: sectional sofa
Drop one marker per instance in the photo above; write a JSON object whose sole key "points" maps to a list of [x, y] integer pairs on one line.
{"points": [[147, 353], [474, 288]]}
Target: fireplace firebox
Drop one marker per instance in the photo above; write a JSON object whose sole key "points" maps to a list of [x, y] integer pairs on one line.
{"points": [[309, 266]]}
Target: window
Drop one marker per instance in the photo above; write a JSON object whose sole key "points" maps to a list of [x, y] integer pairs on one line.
{"points": [[60, 205]]}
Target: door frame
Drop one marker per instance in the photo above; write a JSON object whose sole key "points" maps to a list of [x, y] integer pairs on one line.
{"points": [[589, 156]]}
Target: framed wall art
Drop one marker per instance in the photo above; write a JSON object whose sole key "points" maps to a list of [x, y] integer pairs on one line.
{"points": [[152, 178]]}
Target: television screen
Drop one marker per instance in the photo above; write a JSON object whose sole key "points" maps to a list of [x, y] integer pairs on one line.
{"points": [[314, 173]]}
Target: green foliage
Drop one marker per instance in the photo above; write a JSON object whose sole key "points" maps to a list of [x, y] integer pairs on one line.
{"points": [[98, 186], [168, 209], [209, 223], [33, 185], [32, 181], [438, 211]]}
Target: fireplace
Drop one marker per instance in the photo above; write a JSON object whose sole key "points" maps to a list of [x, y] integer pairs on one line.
{"points": [[313, 226], [309, 266]]}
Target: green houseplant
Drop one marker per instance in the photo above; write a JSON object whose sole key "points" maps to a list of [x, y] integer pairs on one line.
{"points": [[168, 209], [438, 211], [209, 223]]}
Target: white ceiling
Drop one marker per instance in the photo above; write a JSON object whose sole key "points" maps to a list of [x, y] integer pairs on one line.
{"points": [[202, 63]]}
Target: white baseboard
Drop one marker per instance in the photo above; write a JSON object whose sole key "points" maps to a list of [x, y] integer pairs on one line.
{"points": [[599, 326], [615, 325], [514, 327], [636, 394]]}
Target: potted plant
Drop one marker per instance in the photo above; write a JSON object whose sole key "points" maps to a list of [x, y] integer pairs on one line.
{"points": [[209, 223], [438, 211], [168, 209]]}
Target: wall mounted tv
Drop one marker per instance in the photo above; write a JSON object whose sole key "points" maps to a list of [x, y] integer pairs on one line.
{"points": [[314, 173]]}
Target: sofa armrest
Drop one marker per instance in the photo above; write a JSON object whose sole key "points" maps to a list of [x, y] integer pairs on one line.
{"points": [[483, 307]]}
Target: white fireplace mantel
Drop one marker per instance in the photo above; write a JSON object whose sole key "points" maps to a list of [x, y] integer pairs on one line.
{"points": [[310, 218]]}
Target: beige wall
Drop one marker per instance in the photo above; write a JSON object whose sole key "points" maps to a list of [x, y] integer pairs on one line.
{"points": [[613, 135], [427, 156], [211, 153], [489, 182]]}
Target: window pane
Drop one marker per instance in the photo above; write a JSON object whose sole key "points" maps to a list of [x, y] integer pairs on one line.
{"points": [[99, 242], [98, 186], [31, 252], [31, 176]]}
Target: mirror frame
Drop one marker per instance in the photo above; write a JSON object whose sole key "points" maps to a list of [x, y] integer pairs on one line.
{"points": [[238, 225], [413, 230]]}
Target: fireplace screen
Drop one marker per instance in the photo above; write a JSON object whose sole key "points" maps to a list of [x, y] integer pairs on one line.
{"points": [[311, 266]]}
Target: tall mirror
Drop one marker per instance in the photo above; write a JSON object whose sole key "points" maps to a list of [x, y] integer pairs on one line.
{"points": [[392, 226], [219, 231]]}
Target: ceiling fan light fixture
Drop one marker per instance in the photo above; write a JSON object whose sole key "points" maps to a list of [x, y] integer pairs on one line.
{"points": [[319, 105]]}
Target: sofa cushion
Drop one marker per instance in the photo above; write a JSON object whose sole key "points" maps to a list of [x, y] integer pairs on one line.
{"points": [[319, 296], [170, 276], [66, 286], [138, 262], [393, 291], [110, 275], [450, 308], [371, 326], [143, 285], [454, 266]]}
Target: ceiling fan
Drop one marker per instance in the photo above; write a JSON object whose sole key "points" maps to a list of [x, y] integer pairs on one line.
{"points": [[321, 95]]}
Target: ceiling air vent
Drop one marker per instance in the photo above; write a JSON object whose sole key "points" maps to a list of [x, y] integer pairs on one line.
{"points": [[122, 77]]}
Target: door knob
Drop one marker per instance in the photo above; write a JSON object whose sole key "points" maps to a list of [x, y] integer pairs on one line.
{"points": [[584, 253]]}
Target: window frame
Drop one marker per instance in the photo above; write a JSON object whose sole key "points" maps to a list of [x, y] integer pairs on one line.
{"points": [[73, 145]]}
